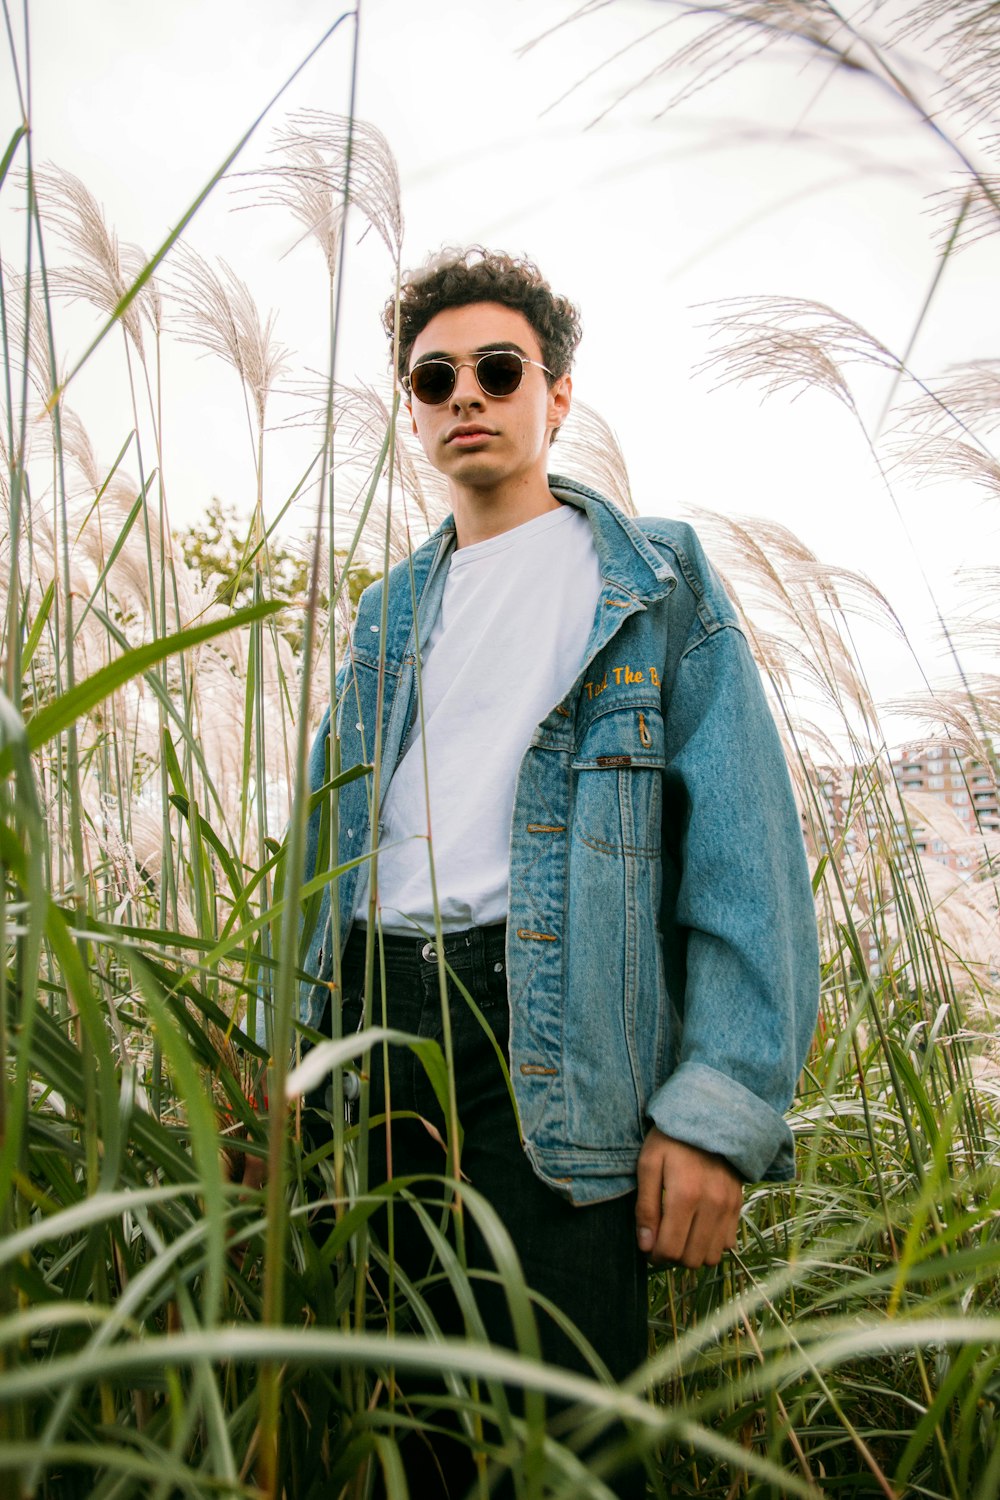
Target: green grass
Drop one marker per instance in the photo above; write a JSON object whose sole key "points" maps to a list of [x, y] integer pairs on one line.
{"points": [[167, 1331]]}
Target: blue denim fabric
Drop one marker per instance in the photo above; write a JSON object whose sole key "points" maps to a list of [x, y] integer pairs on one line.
{"points": [[662, 953]]}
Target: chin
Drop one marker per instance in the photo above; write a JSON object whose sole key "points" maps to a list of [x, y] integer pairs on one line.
{"points": [[478, 474]]}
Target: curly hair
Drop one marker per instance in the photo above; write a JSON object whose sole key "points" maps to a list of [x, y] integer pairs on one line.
{"points": [[455, 278]]}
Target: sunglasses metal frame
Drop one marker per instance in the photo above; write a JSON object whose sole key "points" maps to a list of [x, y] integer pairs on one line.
{"points": [[470, 364]]}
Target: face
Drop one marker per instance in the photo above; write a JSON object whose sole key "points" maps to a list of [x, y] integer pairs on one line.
{"points": [[480, 441]]}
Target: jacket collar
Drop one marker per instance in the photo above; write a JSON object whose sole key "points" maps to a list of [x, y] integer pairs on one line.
{"points": [[636, 568]]}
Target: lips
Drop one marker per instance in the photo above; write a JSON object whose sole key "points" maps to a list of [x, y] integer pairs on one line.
{"points": [[468, 434]]}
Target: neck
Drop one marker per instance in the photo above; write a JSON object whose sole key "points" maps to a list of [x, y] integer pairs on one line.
{"points": [[484, 513]]}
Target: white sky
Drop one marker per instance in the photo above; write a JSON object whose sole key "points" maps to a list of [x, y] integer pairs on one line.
{"points": [[642, 220]]}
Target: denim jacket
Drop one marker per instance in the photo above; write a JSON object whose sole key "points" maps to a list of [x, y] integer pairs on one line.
{"points": [[662, 953]]}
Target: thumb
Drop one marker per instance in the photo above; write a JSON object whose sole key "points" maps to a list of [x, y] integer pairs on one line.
{"points": [[649, 1200]]}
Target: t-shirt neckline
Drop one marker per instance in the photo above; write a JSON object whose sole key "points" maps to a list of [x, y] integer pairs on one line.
{"points": [[516, 536]]}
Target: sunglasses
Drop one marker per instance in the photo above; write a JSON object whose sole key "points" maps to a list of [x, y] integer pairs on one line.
{"points": [[499, 373]]}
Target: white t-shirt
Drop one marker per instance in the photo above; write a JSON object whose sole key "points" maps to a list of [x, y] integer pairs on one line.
{"points": [[515, 617]]}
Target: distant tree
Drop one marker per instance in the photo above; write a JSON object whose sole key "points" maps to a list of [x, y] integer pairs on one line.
{"points": [[217, 549]]}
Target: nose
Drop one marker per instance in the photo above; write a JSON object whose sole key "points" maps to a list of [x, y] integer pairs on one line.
{"points": [[467, 392]]}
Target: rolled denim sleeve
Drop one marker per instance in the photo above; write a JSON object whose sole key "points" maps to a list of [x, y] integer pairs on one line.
{"points": [[739, 926]]}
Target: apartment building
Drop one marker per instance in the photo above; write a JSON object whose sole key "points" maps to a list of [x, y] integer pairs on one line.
{"points": [[854, 813], [968, 787]]}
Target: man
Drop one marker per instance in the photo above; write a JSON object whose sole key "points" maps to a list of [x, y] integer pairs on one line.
{"points": [[615, 854]]}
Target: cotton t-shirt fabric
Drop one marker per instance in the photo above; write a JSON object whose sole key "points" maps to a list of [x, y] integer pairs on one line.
{"points": [[508, 643]]}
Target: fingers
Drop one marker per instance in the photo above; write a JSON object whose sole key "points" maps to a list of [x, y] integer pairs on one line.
{"points": [[649, 1200], [239, 1166], [697, 1217], [704, 1205], [254, 1171], [676, 1228], [709, 1236]]}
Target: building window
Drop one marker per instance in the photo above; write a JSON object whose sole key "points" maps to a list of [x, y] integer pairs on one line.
{"points": [[935, 781], [959, 798]]}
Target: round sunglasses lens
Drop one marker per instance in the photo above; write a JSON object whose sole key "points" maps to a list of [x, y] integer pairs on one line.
{"points": [[432, 382], [499, 374]]}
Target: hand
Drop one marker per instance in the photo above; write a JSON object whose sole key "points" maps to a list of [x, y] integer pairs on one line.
{"points": [[250, 1173], [688, 1205], [240, 1167]]}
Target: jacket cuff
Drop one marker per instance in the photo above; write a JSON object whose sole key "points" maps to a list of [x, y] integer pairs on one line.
{"points": [[708, 1109]]}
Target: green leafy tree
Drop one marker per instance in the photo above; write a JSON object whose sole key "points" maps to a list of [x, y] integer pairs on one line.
{"points": [[219, 548]]}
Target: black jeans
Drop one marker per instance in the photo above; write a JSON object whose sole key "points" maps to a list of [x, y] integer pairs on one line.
{"points": [[584, 1260]]}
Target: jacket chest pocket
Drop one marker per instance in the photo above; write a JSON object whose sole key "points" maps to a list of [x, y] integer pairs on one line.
{"points": [[618, 772]]}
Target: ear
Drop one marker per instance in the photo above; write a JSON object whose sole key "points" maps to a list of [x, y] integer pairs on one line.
{"points": [[409, 413], [560, 401]]}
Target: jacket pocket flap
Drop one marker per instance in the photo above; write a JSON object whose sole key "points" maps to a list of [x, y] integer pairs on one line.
{"points": [[621, 738]]}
